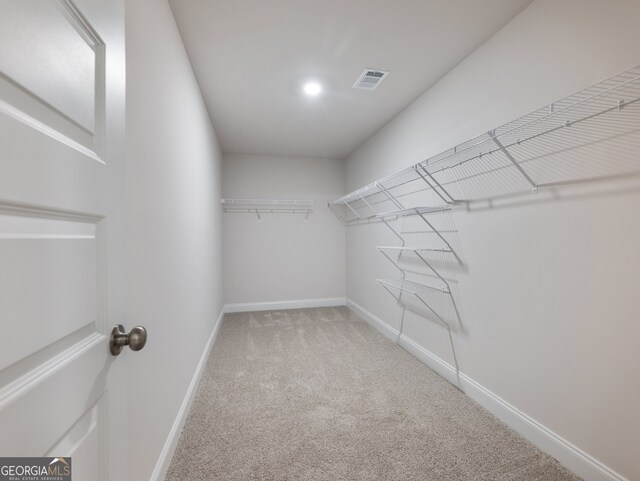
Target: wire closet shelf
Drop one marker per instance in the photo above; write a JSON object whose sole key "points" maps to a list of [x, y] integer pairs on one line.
{"points": [[267, 206], [593, 133]]}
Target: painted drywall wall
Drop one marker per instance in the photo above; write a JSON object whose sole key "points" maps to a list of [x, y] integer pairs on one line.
{"points": [[549, 300], [174, 227], [283, 257]]}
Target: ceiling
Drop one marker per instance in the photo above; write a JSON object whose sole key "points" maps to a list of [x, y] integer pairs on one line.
{"points": [[251, 58]]}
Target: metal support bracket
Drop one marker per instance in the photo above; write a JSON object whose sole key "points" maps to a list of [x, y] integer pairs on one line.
{"points": [[433, 183], [534, 186], [395, 201]]}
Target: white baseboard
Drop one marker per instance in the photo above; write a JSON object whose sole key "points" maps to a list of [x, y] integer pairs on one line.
{"points": [[280, 305], [164, 460], [569, 455], [378, 324], [436, 364]]}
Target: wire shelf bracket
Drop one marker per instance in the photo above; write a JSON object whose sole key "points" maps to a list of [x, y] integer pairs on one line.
{"points": [[534, 186], [432, 183]]}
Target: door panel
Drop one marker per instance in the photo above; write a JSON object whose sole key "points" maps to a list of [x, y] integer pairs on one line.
{"points": [[55, 262], [61, 232], [61, 67], [50, 401], [82, 442], [60, 90]]}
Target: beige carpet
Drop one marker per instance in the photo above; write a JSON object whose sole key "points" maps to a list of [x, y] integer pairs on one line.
{"points": [[317, 394]]}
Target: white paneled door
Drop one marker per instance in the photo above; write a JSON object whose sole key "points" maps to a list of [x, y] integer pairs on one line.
{"points": [[62, 284]]}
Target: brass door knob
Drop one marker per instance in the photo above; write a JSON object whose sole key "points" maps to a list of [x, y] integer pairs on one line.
{"points": [[136, 339]]}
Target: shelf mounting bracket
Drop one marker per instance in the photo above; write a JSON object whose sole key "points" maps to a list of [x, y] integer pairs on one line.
{"points": [[534, 186], [384, 190], [433, 183]]}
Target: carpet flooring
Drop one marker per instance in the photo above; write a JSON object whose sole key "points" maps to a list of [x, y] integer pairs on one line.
{"points": [[317, 394]]}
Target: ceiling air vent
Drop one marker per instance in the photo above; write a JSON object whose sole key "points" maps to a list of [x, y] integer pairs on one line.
{"points": [[370, 79]]}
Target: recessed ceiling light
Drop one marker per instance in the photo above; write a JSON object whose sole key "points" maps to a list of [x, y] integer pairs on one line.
{"points": [[312, 89]]}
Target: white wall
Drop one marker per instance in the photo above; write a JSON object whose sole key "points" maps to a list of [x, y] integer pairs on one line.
{"points": [[550, 297], [283, 257], [174, 224]]}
